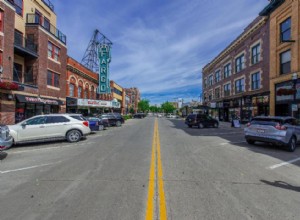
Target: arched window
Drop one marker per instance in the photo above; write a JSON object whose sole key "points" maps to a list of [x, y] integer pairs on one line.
{"points": [[71, 90]]}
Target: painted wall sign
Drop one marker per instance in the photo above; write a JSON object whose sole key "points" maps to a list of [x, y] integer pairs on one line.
{"points": [[104, 59]]}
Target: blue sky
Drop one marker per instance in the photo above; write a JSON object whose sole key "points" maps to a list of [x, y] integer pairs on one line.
{"points": [[159, 46]]}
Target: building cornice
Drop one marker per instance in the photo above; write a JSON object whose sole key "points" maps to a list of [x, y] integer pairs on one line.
{"points": [[80, 73], [235, 43]]}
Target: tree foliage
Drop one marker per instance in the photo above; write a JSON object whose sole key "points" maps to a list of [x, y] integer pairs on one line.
{"points": [[143, 105], [168, 107]]}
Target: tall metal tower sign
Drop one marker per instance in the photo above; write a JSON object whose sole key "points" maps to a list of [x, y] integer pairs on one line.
{"points": [[104, 59]]}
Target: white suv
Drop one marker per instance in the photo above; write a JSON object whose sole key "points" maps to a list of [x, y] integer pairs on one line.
{"points": [[49, 127]]}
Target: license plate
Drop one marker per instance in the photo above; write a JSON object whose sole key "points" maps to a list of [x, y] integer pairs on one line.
{"points": [[260, 131]]}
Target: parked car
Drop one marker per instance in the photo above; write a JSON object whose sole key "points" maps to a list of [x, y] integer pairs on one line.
{"points": [[6, 140], [282, 131], [112, 119], [97, 124], [118, 116], [139, 115], [201, 121], [50, 127]]}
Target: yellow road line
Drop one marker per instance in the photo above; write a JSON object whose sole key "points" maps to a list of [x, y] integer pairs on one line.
{"points": [[156, 158], [151, 187], [161, 192]]}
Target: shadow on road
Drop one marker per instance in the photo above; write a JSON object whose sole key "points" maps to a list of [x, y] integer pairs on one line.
{"points": [[282, 184], [3, 155]]}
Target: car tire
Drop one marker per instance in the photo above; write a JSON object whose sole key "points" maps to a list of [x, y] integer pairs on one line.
{"points": [[118, 123], [250, 142], [291, 146], [216, 125], [200, 125], [101, 127], [73, 136]]}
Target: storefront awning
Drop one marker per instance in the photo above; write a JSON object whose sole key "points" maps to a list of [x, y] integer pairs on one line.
{"points": [[38, 100]]}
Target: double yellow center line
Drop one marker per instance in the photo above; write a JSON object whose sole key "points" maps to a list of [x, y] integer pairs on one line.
{"points": [[156, 181]]}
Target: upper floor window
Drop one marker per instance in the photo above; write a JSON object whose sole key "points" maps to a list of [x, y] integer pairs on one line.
{"points": [[79, 92], [205, 83], [71, 90], [1, 20], [19, 7], [52, 79], [227, 70], [255, 81], [239, 85], [239, 63], [86, 94], [227, 89], [285, 62], [285, 30], [217, 93], [210, 80], [218, 76], [53, 51], [255, 54]]}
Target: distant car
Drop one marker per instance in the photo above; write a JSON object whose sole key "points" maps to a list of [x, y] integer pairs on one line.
{"points": [[139, 115], [172, 116], [282, 131], [159, 115], [96, 124], [112, 119], [6, 140], [50, 127], [118, 116], [201, 121]]}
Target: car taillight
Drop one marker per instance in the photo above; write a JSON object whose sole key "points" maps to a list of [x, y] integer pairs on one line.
{"points": [[280, 127], [85, 123]]}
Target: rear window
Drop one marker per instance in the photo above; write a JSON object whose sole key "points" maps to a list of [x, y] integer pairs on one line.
{"points": [[78, 117], [266, 121]]}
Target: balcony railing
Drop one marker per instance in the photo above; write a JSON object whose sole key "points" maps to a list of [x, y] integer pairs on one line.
{"points": [[25, 43], [36, 19], [49, 4], [26, 78]]}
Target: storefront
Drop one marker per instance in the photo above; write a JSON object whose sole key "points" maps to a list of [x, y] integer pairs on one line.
{"points": [[287, 98], [28, 106], [91, 107]]}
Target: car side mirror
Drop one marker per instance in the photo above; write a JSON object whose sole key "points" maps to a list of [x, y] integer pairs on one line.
{"points": [[24, 125]]}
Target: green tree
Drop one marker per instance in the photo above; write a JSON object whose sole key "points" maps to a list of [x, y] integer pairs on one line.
{"points": [[168, 107], [143, 105], [154, 109]]}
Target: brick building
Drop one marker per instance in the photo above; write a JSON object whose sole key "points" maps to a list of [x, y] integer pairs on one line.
{"points": [[284, 16], [33, 55], [134, 98], [236, 82]]}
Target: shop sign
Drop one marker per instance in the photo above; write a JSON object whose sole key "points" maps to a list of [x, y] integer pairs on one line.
{"points": [[93, 103], [213, 105], [104, 59], [45, 101], [285, 91]]}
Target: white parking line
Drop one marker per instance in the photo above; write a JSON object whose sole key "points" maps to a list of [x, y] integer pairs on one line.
{"points": [[40, 149], [27, 168], [284, 163]]}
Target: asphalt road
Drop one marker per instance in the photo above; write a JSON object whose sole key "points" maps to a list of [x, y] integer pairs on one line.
{"points": [[143, 167]]}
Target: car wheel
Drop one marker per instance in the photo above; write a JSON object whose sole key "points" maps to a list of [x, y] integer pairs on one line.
{"points": [[200, 125], [291, 146], [101, 127], [216, 125], [250, 141], [73, 136], [118, 123]]}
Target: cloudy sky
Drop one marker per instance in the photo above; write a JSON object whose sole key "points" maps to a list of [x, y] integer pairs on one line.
{"points": [[159, 46]]}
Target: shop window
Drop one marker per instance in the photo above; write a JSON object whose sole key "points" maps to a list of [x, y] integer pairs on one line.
{"points": [[17, 73], [53, 51], [239, 85], [227, 70], [19, 7], [71, 90], [52, 79], [255, 81], [285, 62], [285, 30], [255, 54], [1, 20], [239, 63]]}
